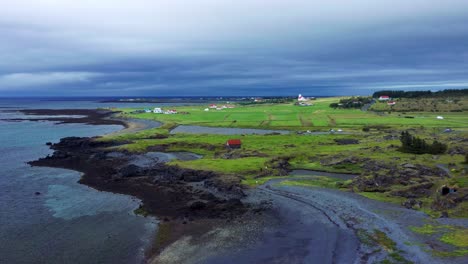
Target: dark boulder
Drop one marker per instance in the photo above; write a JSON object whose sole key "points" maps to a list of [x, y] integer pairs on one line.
{"points": [[233, 202], [58, 154], [130, 171], [198, 205], [415, 191], [196, 176], [207, 196], [346, 141], [412, 204]]}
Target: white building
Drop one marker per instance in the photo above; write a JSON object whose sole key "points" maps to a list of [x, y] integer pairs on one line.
{"points": [[157, 110]]}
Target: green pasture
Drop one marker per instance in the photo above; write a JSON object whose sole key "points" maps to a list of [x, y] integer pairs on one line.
{"points": [[319, 116], [256, 160]]}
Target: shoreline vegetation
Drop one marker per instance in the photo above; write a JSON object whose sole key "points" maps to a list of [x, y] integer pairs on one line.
{"points": [[193, 197]]}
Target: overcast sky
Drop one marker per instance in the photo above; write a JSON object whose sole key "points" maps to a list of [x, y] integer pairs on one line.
{"points": [[231, 47]]}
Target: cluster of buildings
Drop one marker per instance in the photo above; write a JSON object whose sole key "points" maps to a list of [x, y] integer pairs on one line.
{"points": [[158, 110], [304, 101], [216, 107], [386, 98]]}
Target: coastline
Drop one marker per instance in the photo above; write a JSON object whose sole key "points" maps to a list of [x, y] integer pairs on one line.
{"points": [[169, 193], [77, 116], [198, 222]]}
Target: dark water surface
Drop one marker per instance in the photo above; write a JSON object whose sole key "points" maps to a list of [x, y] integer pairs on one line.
{"points": [[45, 215]]}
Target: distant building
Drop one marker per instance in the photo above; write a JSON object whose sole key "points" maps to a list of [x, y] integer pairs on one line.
{"points": [[301, 98], [158, 110], [391, 103], [213, 106], [170, 112], [384, 98], [234, 143]]}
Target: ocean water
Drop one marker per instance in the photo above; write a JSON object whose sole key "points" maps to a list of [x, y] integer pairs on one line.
{"points": [[67, 222]]}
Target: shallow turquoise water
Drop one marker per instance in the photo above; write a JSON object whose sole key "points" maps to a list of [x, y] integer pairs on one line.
{"points": [[67, 222]]}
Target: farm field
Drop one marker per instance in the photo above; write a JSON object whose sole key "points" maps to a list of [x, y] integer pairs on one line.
{"points": [[319, 116]]}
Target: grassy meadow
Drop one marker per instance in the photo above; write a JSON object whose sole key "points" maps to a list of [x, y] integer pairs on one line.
{"points": [[257, 160], [425, 104], [319, 116]]}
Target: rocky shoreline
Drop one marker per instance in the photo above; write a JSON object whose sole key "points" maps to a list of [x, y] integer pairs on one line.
{"points": [[75, 116], [166, 191], [186, 201]]}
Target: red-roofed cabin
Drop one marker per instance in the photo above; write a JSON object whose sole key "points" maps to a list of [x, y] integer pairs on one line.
{"points": [[384, 98], [233, 143]]}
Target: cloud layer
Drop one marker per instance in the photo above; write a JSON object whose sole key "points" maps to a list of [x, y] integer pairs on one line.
{"points": [[208, 47]]}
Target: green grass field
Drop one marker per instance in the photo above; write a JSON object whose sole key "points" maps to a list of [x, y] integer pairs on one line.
{"points": [[288, 116], [260, 153]]}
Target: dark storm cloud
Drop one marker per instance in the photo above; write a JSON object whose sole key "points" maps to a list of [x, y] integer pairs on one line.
{"points": [[235, 48]]}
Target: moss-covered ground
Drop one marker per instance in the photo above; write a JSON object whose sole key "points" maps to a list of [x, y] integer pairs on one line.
{"points": [[454, 236]]}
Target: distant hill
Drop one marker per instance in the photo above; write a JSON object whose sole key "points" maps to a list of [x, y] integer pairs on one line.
{"points": [[417, 94]]}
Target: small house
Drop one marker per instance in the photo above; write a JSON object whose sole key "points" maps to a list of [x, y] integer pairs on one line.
{"points": [[391, 103], [234, 143], [384, 98], [170, 112], [213, 106], [158, 110]]}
